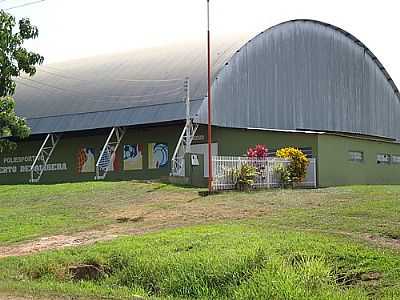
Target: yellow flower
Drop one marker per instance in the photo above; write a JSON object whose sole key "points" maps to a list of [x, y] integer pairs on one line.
{"points": [[298, 165]]}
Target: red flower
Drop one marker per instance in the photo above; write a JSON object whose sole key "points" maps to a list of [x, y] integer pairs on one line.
{"points": [[260, 151]]}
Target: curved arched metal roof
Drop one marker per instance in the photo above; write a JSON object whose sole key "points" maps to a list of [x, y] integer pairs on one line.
{"points": [[102, 91], [359, 43], [306, 74], [338, 83]]}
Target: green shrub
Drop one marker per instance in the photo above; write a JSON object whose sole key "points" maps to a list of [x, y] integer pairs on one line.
{"points": [[284, 175], [298, 165], [244, 176]]}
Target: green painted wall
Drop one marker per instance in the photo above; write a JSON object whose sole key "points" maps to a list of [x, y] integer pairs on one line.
{"points": [[237, 141], [68, 148], [195, 173], [335, 168]]}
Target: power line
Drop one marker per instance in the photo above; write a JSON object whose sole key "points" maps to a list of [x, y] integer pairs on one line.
{"points": [[150, 80], [106, 96], [168, 82], [64, 76], [137, 103], [28, 85], [114, 109], [170, 92], [23, 5], [123, 79], [45, 84]]}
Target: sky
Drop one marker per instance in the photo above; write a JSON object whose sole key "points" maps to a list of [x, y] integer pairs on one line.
{"points": [[80, 28]]}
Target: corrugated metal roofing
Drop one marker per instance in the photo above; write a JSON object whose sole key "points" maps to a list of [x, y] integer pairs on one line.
{"points": [[306, 74], [298, 74], [97, 92], [121, 117]]}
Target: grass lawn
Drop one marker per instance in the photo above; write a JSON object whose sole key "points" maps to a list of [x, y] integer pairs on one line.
{"points": [[335, 243], [31, 211]]}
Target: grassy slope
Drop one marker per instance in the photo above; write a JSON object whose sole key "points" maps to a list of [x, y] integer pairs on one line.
{"points": [[28, 212], [300, 244], [231, 261]]}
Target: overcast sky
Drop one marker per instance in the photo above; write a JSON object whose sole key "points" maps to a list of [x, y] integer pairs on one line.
{"points": [[79, 28]]}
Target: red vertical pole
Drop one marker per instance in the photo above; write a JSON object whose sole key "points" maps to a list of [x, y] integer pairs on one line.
{"points": [[210, 175]]}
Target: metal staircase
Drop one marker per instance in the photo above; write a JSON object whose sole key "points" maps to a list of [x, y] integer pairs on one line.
{"points": [[185, 139], [104, 163], [183, 147], [42, 158]]}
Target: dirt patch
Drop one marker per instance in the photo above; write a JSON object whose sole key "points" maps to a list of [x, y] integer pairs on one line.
{"points": [[147, 216], [371, 276], [126, 219], [383, 241], [86, 272], [14, 297], [57, 242]]}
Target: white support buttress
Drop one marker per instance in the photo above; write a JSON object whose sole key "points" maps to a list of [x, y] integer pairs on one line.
{"points": [[186, 138], [105, 161], [42, 158]]}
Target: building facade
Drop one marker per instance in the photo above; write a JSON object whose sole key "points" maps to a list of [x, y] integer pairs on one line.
{"points": [[301, 83]]}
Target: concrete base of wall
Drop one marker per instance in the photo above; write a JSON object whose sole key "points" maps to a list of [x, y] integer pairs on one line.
{"points": [[180, 180]]}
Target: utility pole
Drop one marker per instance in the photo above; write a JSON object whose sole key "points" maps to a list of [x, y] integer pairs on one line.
{"points": [[188, 120], [210, 172]]}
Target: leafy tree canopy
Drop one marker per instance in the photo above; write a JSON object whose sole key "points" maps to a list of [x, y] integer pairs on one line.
{"points": [[14, 61]]}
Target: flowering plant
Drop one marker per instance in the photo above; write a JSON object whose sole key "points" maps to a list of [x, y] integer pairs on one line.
{"points": [[244, 176], [259, 151], [298, 165]]}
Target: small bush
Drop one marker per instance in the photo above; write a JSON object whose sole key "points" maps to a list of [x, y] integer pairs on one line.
{"points": [[299, 163], [284, 175], [259, 151], [244, 176]]}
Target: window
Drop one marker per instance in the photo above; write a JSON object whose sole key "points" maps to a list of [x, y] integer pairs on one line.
{"points": [[382, 158], [395, 159], [356, 156]]}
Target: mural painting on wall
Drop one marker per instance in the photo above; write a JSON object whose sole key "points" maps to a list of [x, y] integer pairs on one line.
{"points": [[158, 155], [133, 157], [109, 159], [86, 160]]}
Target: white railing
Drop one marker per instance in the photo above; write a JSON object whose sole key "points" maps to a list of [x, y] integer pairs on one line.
{"points": [[267, 177], [178, 166]]}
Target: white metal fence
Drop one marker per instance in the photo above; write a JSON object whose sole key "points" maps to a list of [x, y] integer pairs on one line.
{"points": [[267, 176]]}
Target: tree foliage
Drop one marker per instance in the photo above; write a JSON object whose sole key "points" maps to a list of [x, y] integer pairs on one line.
{"points": [[15, 60]]}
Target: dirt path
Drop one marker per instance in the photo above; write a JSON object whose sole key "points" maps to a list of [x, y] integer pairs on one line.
{"points": [[79, 239], [27, 297], [10, 297], [57, 242], [90, 237]]}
